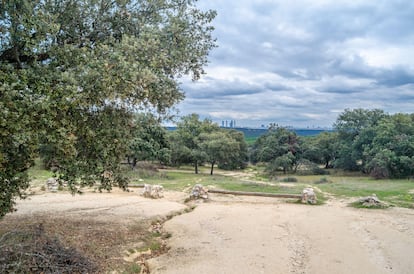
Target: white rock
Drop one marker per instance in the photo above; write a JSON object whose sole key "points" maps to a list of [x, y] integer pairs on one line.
{"points": [[309, 196], [153, 191], [52, 185], [199, 192]]}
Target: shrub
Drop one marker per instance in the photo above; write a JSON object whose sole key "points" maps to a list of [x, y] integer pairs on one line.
{"points": [[323, 180], [289, 180]]}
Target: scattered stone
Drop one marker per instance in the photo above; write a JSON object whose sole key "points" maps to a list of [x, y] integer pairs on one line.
{"points": [[372, 201], [52, 185], [156, 228], [153, 191], [309, 196], [199, 192]]}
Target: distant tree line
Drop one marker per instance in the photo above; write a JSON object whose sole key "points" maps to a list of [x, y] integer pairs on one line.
{"points": [[194, 142], [369, 141]]}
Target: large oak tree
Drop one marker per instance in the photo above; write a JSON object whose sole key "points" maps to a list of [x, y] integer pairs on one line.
{"points": [[73, 73]]}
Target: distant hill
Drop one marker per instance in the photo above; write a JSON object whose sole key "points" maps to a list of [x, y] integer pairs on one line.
{"points": [[256, 132]]}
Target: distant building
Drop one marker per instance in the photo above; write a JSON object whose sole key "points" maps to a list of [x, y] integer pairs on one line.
{"points": [[228, 124]]}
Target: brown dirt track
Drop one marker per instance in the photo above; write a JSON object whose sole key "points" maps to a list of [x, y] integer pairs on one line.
{"points": [[233, 234]]}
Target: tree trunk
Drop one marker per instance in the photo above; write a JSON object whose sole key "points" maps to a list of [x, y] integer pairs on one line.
{"points": [[212, 167], [196, 167]]}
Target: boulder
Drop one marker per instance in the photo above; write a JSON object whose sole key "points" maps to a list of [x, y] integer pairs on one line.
{"points": [[199, 192], [309, 196], [372, 201], [153, 191], [52, 185]]}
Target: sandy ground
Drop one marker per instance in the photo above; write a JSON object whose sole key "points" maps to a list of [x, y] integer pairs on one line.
{"points": [[264, 235], [254, 235], [117, 205]]}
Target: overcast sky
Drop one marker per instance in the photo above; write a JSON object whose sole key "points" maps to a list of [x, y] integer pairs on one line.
{"points": [[302, 62]]}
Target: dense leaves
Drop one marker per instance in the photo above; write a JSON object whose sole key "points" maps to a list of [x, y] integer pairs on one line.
{"points": [[149, 141], [279, 147], [354, 129], [74, 73], [391, 152], [368, 141], [196, 142], [376, 143]]}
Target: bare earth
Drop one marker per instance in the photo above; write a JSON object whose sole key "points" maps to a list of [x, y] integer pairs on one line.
{"points": [[255, 235]]}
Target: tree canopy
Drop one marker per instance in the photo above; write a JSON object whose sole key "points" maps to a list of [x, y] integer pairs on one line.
{"points": [[279, 147], [74, 72], [196, 142]]}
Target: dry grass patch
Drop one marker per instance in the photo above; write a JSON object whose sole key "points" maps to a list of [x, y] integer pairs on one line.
{"points": [[96, 246]]}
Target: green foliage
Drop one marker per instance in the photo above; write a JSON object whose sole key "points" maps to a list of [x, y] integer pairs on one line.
{"points": [[149, 141], [322, 180], [227, 148], [391, 152], [279, 147], [321, 149], [18, 123], [72, 83], [186, 145], [289, 180], [195, 142], [376, 143], [354, 130], [239, 157]]}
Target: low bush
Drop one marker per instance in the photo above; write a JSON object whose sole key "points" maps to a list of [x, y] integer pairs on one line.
{"points": [[289, 180]]}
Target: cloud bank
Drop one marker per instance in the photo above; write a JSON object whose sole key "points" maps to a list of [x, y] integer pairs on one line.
{"points": [[300, 63]]}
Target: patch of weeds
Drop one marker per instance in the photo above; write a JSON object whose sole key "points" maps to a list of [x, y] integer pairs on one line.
{"points": [[189, 209], [132, 268], [156, 234], [166, 235], [289, 180], [323, 180], [358, 204], [131, 251], [35, 251], [155, 246]]}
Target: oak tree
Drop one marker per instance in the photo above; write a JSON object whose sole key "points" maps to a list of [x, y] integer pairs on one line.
{"points": [[73, 73]]}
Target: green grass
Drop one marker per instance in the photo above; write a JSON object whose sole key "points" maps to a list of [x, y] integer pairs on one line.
{"points": [[250, 140], [395, 192], [38, 172]]}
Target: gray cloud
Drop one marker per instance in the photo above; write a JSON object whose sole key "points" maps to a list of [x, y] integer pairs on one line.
{"points": [[303, 62]]}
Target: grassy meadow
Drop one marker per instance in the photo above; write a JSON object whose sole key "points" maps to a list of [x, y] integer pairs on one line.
{"points": [[396, 192]]}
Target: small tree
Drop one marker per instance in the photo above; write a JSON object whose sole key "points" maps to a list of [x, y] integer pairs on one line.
{"points": [[391, 152], [149, 141], [354, 129], [239, 158], [279, 147], [186, 139], [219, 147]]}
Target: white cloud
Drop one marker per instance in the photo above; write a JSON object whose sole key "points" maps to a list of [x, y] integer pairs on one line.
{"points": [[303, 62]]}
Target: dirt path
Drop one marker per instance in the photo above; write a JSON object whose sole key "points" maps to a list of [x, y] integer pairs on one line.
{"points": [[253, 234], [264, 235], [115, 206]]}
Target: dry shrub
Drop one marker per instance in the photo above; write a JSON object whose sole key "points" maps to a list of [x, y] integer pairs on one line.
{"points": [[33, 251]]}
